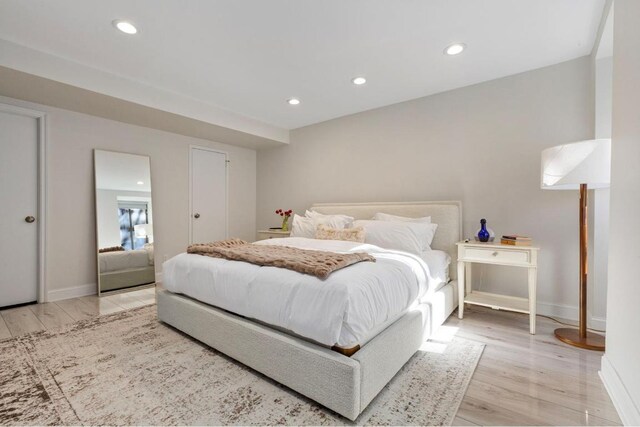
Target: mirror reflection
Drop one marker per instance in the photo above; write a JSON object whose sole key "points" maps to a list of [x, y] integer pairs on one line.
{"points": [[124, 218]]}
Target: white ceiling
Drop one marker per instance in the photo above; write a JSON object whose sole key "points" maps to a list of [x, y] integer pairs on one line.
{"points": [[122, 171], [249, 56]]}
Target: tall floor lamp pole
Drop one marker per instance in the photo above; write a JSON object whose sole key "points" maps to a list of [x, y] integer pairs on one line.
{"points": [[567, 167]]}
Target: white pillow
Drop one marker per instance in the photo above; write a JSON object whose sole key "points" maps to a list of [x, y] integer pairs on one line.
{"points": [[306, 227], [438, 262], [302, 227], [348, 220], [413, 237], [149, 248], [388, 217]]}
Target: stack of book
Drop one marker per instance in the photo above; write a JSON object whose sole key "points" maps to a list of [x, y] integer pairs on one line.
{"points": [[516, 240]]}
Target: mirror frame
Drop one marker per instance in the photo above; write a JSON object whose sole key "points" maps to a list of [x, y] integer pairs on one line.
{"points": [[100, 292]]}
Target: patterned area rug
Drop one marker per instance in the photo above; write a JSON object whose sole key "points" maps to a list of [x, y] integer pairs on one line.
{"points": [[128, 369]]}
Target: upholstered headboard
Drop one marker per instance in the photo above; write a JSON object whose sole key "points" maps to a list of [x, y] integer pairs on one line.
{"points": [[448, 216]]}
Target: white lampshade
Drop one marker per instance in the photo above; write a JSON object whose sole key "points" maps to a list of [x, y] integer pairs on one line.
{"points": [[143, 230], [565, 167]]}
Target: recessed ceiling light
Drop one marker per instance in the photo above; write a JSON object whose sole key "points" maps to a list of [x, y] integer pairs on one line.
{"points": [[293, 101], [140, 183], [455, 48], [358, 81], [125, 26]]}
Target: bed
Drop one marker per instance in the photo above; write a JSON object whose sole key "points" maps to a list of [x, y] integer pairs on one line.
{"points": [[124, 269], [293, 355]]}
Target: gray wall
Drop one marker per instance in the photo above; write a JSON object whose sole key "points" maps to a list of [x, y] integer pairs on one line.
{"points": [[71, 243], [599, 200], [479, 144], [623, 321]]}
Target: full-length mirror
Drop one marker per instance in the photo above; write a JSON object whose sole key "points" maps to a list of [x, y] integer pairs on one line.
{"points": [[124, 219]]}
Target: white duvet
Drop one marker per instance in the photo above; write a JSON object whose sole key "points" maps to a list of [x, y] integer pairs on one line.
{"points": [[340, 310]]}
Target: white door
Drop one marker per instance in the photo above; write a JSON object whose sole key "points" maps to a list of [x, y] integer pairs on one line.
{"points": [[208, 195], [18, 209]]}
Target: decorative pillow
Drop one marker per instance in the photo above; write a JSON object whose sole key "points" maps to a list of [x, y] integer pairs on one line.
{"points": [[413, 237], [324, 232], [306, 227], [388, 217]]}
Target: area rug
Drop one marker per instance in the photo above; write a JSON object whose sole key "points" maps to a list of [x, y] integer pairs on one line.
{"points": [[130, 369]]}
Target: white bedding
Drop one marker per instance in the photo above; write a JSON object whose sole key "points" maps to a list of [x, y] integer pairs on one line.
{"points": [[124, 260], [340, 310]]}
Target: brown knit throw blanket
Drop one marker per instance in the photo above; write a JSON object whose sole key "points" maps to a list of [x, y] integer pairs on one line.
{"points": [[316, 263], [111, 249]]}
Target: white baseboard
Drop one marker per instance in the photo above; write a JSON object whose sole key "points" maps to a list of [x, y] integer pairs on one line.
{"points": [[627, 409], [558, 310], [569, 312], [72, 292], [597, 323]]}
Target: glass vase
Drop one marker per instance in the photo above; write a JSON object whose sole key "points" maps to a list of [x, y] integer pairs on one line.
{"points": [[483, 234]]}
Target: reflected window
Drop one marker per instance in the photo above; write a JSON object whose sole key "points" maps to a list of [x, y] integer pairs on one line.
{"points": [[131, 214]]}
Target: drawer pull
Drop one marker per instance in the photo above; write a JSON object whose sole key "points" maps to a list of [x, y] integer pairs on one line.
{"points": [[495, 254]]}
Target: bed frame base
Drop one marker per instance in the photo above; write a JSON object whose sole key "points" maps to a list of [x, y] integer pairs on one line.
{"points": [[343, 384]]}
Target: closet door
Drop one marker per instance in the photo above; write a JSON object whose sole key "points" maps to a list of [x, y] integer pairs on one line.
{"points": [[208, 195], [18, 209]]}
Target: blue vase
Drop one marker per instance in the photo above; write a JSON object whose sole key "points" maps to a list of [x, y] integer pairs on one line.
{"points": [[483, 234]]}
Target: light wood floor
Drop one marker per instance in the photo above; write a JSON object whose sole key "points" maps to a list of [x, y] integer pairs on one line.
{"points": [[529, 379], [51, 315], [521, 379]]}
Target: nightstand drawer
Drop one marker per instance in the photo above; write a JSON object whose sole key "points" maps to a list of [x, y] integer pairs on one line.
{"points": [[497, 255]]}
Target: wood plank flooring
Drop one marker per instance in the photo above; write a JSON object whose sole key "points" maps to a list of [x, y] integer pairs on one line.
{"points": [[21, 320], [52, 315], [521, 379], [525, 379]]}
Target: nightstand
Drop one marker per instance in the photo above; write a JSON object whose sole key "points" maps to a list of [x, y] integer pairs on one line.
{"points": [[497, 254], [272, 234]]}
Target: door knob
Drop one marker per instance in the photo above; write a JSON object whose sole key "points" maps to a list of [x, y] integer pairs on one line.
{"points": [[30, 219], [196, 216]]}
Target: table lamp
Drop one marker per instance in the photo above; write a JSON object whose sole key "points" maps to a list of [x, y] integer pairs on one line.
{"points": [[579, 166], [144, 231]]}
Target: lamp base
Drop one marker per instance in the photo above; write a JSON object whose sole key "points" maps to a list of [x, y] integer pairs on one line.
{"points": [[572, 337]]}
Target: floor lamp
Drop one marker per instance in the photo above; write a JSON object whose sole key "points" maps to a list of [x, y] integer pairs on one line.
{"points": [[579, 166]]}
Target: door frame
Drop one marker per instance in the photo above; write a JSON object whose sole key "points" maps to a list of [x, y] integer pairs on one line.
{"points": [[226, 188], [41, 120]]}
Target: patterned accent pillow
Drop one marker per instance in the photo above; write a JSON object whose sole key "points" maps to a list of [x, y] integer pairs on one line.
{"points": [[324, 232]]}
